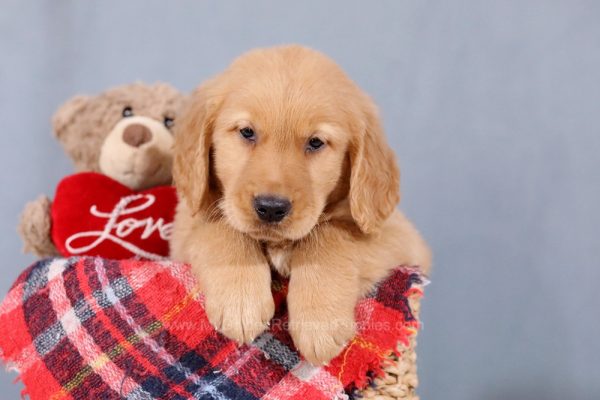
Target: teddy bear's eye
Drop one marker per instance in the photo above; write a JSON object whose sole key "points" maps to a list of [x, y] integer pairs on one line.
{"points": [[127, 112], [169, 122]]}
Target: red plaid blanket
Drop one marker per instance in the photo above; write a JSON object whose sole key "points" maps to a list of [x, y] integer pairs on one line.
{"points": [[91, 328]]}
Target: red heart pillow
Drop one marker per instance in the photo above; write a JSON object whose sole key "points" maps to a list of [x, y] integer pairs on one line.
{"points": [[95, 215]]}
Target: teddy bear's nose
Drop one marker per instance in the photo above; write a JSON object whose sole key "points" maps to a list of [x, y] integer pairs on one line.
{"points": [[136, 135]]}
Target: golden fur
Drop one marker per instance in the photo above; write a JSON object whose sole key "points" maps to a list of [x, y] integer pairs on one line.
{"points": [[343, 233]]}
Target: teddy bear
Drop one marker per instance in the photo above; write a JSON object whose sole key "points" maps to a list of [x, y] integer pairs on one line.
{"points": [[121, 138]]}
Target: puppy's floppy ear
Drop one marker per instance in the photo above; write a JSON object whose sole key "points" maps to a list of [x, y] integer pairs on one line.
{"points": [[374, 174], [193, 136]]}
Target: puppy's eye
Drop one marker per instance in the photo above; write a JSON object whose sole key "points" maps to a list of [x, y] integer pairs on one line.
{"points": [[248, 134], [169, 122], [127, 112], [314, 144]]}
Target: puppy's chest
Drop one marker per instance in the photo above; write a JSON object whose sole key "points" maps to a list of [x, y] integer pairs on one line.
{"points": [[279, 258]]}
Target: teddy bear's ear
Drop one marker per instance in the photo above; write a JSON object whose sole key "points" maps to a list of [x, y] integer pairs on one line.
{"points": [[67, 112]]}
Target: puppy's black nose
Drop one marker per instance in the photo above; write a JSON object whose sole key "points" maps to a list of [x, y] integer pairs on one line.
{"points": [[271, 208]]}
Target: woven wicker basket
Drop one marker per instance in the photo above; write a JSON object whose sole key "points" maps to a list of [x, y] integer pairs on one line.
{"points": [[400, 379]]}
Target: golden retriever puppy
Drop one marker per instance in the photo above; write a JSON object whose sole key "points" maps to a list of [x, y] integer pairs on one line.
{"points": [[281, 162]]}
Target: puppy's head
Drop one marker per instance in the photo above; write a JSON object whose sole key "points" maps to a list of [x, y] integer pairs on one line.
{"points": [[281, 140]]}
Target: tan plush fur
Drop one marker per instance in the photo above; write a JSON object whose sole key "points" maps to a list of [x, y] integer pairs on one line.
{"points": [[83, 123], [91, 131], [343, 233]]}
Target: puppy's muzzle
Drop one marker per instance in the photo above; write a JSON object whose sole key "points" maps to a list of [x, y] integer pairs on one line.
{"points": [[271, 208]]}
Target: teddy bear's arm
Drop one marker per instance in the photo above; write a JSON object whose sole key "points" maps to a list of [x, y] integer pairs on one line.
{"points": [[34, 228]]}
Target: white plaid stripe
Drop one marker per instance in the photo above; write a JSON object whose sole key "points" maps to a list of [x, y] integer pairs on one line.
{"points": [[182, 274], [285, 388], [93, 356], [328, 384], [139, 331], [211, 387], [17, 295]]}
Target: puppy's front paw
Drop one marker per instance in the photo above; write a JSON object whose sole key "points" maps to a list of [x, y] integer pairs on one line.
{"points": [[320, 338], [240, 317]]}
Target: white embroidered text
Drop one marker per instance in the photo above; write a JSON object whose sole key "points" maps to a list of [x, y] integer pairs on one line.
{"points": [[118, 232]]}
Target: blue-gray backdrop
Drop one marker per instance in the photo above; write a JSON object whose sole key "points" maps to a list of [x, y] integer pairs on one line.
{"points": [[493, 108]]}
